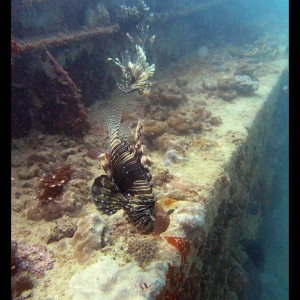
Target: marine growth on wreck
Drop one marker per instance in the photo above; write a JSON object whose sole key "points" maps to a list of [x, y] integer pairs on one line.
{"points": [[147, 139]]}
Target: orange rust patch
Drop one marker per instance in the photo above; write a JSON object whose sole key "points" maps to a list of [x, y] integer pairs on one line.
{"points": [[181, 244], [168, 201], [174, 282]]}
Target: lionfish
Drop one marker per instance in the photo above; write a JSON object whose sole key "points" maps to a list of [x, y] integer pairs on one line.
{"points": [[127, 184], [136, 72]]}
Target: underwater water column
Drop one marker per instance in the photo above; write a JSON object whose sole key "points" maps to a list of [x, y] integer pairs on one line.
{"points": [[273, 234]]}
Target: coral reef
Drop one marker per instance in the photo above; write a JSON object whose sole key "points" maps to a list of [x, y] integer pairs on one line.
{"points": [[168, 96], [184, 123], [107, 279], [154, 128], [181, 82], [53, 185], [93, 233], [259, 50], [21, 285], [143, 250], [246, 69], [35, 258], [13, 256], [227, 89], [64, 227], [161, 176], [210, 85], [162, 220], [53, 202], [189, 218], [171, 157], [167, 141], [215, 121], [53, 210], [245, 84]]}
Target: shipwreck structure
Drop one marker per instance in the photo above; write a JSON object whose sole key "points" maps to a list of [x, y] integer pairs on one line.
{"points": [[59, 56]]}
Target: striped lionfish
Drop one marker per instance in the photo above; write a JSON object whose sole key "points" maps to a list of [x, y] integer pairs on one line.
{"points": [[136, 72], [127, 184]]}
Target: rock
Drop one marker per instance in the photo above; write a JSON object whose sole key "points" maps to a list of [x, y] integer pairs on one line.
{"points": [[142, 249], [13, 256], [166, 142], [108, 280], [168, 96], [227, 89], [201, 114], [171, 157], [245, 84], [29, 173], [215, 121], [210, 85], [21, 284], [65, 227], [181, 82], [188, 217], [179, 123], [153, 128], [53, 210], [93, 233]]}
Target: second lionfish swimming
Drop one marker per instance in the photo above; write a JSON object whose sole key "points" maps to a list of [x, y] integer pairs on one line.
{"points": [[127, 184]]}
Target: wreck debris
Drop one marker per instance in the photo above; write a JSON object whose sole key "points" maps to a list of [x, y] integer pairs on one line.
{"points": [[62, 74], [66, 38], [61, 109]]}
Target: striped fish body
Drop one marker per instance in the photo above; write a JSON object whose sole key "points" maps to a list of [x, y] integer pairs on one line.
{"points": [[127, 184]]}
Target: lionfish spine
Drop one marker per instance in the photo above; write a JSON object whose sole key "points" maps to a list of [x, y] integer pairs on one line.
{"points": [[137, 136]]}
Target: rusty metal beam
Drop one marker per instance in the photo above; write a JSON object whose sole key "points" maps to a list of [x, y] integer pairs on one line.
{"points": [[65, 38]]}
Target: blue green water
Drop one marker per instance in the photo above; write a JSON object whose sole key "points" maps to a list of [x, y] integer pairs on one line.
{"points": [[274, 232]]}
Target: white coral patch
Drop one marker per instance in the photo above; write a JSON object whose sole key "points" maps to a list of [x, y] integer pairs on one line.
{"points": [[109, 279]]}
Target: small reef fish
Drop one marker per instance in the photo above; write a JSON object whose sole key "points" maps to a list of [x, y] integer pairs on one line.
{"points": [[127, 184]]}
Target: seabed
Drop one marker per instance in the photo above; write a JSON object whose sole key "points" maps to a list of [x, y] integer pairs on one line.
{"points": [[208, 193]]}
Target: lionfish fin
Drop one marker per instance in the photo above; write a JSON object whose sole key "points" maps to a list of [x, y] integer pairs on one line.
{"points": [[138, 148], [112, 115], [124, 130], [105, 195], [137, 137], [104, 162]]}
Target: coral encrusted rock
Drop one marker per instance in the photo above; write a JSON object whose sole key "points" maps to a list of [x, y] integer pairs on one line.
{"points": [[65, 227], [168, 96], [153, 128], [92, 234], [245, 84], [110, 279], [143, 250]]}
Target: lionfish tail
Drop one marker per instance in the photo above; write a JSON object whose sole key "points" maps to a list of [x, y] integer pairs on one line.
{"points": [[112, 115], [105, 195]]}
